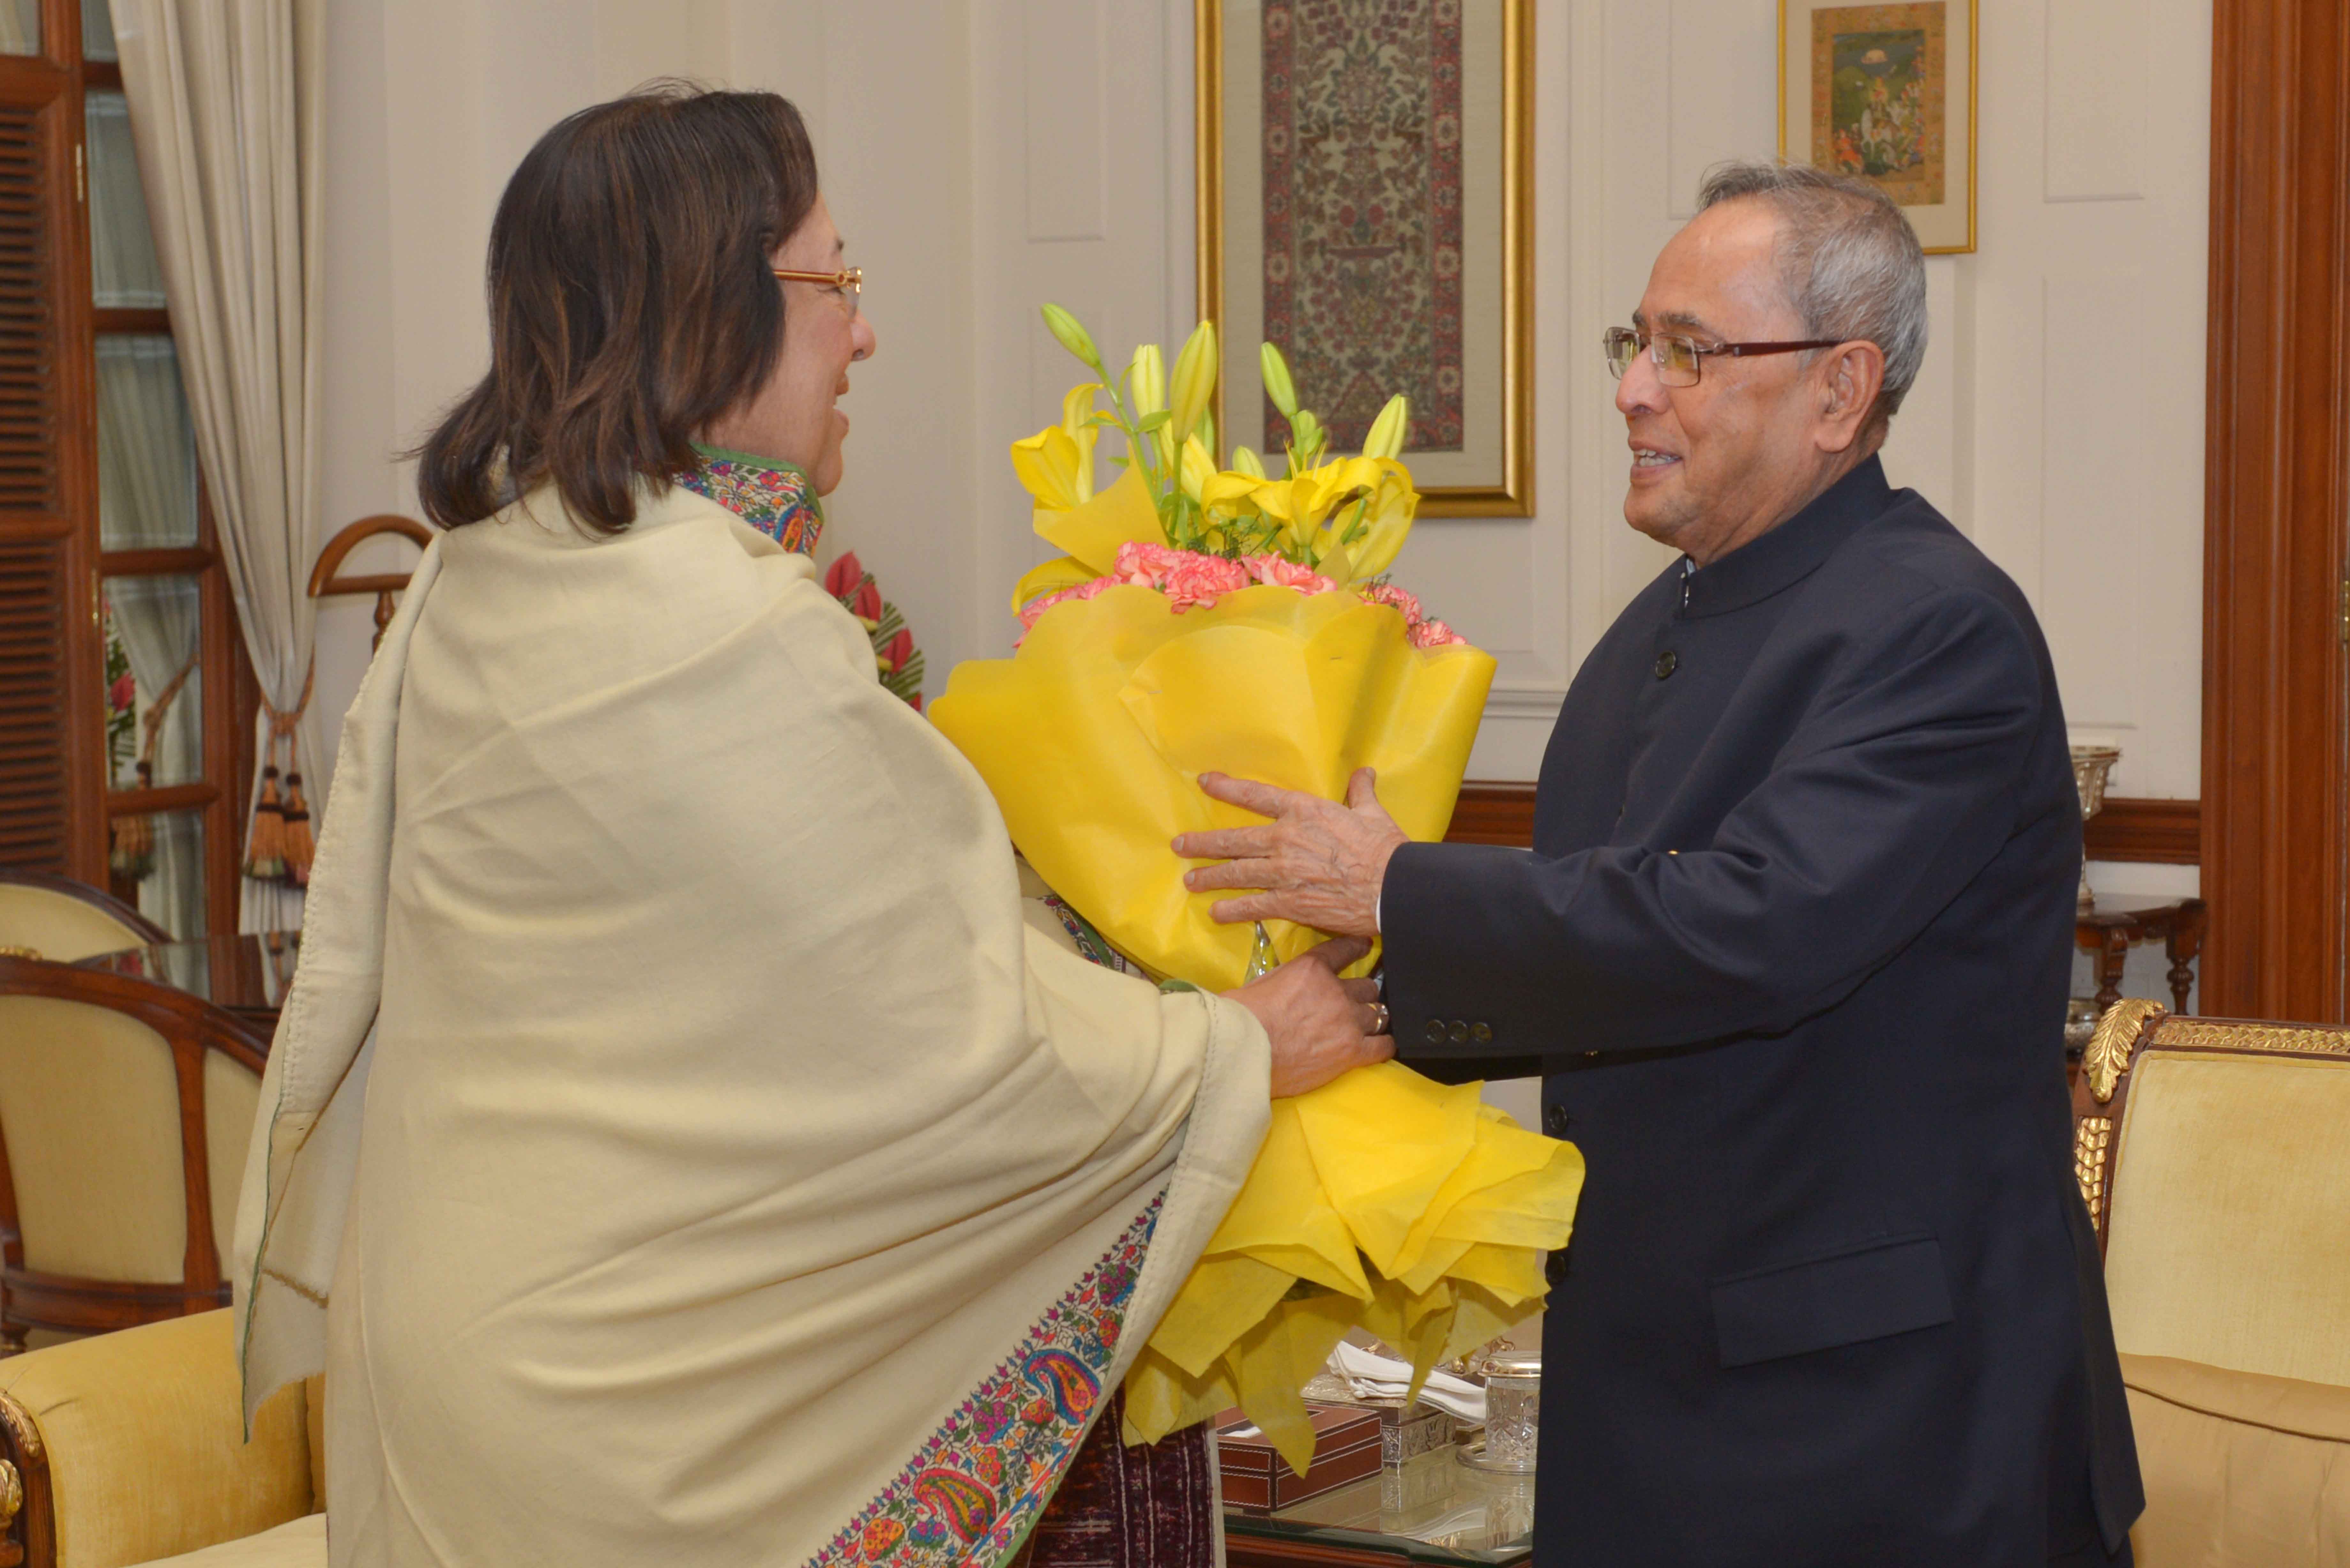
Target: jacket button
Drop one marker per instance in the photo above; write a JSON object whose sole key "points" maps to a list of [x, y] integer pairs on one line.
{"points": [[1554, 1269], [1554, 1120], [1667, 662], [1436, 1032], [1460, 1032], [1481, 1033]]}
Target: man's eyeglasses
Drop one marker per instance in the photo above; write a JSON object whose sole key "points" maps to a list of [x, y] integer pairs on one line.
{"points": [[1678, 359], [849, 280]]}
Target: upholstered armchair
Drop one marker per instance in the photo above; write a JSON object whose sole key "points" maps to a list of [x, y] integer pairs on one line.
{"points": [[129, 1447], [45, 917], [2214, 1155], [125, 1108]]}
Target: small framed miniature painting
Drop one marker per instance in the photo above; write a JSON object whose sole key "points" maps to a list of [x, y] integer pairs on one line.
{"points": [[1887, 93]]}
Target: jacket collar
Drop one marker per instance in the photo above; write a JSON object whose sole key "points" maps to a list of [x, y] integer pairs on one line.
{"points": [[1791, 550]]}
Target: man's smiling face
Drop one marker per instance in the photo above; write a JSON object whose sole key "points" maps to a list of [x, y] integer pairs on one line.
{"points": [[1719, 463]]}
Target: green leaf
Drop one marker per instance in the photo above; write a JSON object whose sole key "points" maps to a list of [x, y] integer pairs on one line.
{"points": [[1155, 422]]}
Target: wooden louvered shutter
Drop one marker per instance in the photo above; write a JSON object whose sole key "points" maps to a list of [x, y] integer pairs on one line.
{"points": [[47, 821], [36, 781]]}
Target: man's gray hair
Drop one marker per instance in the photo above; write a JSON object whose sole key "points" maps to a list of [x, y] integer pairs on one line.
{"points": [[1849, 259]]}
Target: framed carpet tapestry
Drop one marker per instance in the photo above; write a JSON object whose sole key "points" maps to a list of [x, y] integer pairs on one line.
{"points": [[1887, 92], [1366, 204]]}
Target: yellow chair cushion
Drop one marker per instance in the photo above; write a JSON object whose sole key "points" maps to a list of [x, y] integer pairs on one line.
{"points": [[147, 1451], [2240, 1467], [2230, 1228], [300, 1543]]}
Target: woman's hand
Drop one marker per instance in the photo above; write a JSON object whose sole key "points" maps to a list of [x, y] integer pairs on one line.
{"points": [[1320, 1025]]}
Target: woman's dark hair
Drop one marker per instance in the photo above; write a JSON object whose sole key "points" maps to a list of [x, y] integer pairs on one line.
{"points": [[630, 302]]}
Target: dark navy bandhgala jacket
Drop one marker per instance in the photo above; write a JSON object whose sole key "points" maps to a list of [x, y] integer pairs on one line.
{"points": [[1792, 948]]}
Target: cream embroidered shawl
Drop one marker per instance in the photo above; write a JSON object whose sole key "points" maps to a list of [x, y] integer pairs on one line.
{"points": [[688, 1147]]}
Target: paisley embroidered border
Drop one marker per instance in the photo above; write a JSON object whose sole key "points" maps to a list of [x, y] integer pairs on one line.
{"points": [[974, 1489], [778, 502]]}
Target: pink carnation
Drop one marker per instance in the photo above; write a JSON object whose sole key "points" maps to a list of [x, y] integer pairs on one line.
{"points": [[1034, 610], [1389, 594], [1144, 564], [1285, 573], [1435, 634], [1202, 580]]}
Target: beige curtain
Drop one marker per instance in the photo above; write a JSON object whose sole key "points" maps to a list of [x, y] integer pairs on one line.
{"points": [[224, 110]]}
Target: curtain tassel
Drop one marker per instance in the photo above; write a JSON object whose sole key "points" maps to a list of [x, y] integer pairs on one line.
{"points": [[300, 848], [276, 838], [265, 846]]}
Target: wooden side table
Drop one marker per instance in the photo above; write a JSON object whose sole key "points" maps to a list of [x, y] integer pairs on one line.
{"points": [[2110, 928]]}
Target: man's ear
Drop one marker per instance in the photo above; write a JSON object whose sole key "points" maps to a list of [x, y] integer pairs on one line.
{"points": [[1851, 375]]}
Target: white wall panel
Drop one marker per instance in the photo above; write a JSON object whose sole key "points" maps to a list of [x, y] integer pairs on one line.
{"points": [[1062, 102], [2094, 504], [2096, 108]]}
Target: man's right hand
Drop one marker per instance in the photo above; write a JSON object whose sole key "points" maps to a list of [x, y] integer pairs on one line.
{"points": [[1320, 1025]]}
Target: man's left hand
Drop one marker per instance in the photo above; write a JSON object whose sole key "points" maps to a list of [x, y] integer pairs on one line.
{"points": [[1319, 862]]}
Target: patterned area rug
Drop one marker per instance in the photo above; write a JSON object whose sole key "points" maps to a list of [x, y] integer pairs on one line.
{"points": [[1129, 1508]]}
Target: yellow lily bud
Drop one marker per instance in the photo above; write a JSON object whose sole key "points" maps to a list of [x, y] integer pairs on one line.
{"points": [[1248, 462], [1071, 335], [1195, 380], [1198, 468], [1277, 384], [1077, 418], [1146, 380], [1386, 438]]}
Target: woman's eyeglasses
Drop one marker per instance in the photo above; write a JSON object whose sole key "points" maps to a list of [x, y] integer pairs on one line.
{"points": [[1678, 359], [849, 280]]}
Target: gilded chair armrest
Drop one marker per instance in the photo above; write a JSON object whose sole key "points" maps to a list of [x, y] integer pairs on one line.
{"points": [[129, 1446]]}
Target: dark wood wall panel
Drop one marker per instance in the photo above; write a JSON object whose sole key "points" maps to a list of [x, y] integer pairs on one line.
{"points": [[2168, 832], [2274, 833]]}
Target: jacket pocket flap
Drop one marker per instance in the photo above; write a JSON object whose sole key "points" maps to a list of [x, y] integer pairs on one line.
{"points": [[1885, 1287]]}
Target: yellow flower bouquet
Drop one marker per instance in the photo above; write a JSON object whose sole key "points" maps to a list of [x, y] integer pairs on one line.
{"points": [[1224, 618], [1206, 618]]}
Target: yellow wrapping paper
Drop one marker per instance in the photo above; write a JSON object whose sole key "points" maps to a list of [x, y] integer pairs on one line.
{"points": [[1094, 734], [1381, 1200]]}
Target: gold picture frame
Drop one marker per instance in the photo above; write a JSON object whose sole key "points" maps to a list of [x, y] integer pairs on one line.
{"points": [[1887, 92], [1490, 471]]}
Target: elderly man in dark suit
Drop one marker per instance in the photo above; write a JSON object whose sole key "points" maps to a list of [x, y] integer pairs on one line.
{"points": [[1791, 949]]}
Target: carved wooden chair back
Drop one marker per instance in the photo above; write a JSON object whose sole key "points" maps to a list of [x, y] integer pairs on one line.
{"points": [[125, 1108], [2214, 1155], [325, 580], [58, 919]]}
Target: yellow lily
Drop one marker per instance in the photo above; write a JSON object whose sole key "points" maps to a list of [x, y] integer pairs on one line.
{"points": [[1050, 464], [1248, 462], [1146, 385], [1388, 505], [1194, 382]]}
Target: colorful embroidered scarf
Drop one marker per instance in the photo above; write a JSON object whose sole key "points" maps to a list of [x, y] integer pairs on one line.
{"points": [[776, 498]]}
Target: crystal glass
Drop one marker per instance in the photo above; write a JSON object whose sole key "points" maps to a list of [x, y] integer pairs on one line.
{"points": [[2090, 766], [1513, 1406]]}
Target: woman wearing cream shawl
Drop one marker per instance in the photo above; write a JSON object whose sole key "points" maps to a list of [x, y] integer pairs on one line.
{"points": [[680, 1145]]}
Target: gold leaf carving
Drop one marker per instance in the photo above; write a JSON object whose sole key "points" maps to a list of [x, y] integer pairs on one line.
{"points": [[12, 1494], [2201, 1035], [2108, 1055], [2090, 1137]]}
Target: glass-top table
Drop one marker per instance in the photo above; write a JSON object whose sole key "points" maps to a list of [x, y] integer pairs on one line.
{"points": [[244, 973], [1432, 1509]]}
